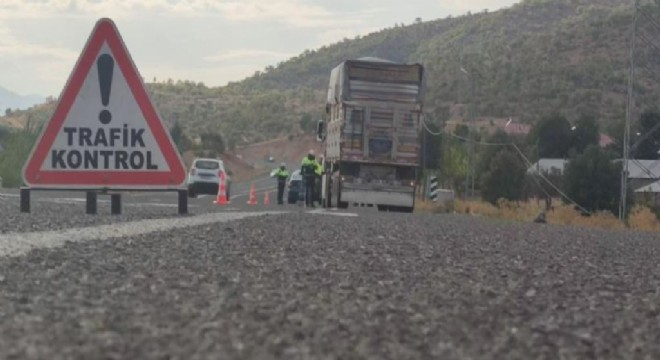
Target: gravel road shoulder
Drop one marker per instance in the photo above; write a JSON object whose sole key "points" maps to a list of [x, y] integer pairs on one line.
{"points": [[301, 286]]}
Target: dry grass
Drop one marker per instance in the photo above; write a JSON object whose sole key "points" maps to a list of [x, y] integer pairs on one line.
{"points": [[641, 217]]}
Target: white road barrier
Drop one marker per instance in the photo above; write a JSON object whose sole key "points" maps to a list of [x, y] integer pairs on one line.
{"points": [[16, 244]]}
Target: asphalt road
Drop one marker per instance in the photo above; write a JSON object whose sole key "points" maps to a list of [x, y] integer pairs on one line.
{"points": [[285, 282]]}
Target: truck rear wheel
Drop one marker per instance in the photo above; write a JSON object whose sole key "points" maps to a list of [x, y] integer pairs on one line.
{"points": [[341, 204], [403, 209], [328, 194]]}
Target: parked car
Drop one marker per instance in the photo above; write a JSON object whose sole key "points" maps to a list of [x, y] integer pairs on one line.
{"points": [[296, 192], [204, 177]]}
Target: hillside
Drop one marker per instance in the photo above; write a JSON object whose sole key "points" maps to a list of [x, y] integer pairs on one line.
{"points": [[526, 61]]}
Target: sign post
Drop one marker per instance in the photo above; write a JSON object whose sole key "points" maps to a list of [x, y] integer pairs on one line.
{"points": [[433, 188], [105, 133]]}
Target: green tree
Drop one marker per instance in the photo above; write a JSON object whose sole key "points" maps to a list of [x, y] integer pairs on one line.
{"points": [[213, 141], [616, 130], [553, 136], [18, 145], [505, 178], [432, 147], [489, 152], [462, 130], [454, 164], [592, 179], [180, 139], [307, 123], [4, 133], [586, 133], [647, 149]]}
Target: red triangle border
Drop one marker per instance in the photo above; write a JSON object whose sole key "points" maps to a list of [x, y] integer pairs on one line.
{"points": [[105, 31]]}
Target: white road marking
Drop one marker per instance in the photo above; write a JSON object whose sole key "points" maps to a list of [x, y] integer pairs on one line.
{"points": [[327, 212], [157, 205], [16, 244]]}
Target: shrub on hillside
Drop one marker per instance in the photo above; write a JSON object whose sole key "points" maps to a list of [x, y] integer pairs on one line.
{"points": [[17, 149], [504, 179]]}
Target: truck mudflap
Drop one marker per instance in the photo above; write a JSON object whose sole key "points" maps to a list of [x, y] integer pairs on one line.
{"points": [[378, 195]]}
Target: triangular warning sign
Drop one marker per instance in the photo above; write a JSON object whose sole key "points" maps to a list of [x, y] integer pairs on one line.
{"points": [[105, 131]]}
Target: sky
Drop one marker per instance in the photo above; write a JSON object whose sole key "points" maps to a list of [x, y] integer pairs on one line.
{"points": [[212, 41]]}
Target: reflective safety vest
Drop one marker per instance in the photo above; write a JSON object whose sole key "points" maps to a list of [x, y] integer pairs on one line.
{"points": [[319, 169], [281, 174], [308, 166]]}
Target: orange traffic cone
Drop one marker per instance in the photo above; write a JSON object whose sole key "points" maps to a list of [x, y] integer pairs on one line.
{"points": [[221, 198], [253, 196], [266, 199]]}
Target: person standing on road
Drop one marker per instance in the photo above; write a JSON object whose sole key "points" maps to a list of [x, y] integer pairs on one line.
{"points": [[308, 171], [318, 172], [281, 175]]}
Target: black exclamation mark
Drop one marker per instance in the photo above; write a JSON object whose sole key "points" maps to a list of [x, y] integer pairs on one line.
{"points": [[105, 64]]}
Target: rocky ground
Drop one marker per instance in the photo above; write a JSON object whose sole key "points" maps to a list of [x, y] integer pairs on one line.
{"points": [[310, 286]]}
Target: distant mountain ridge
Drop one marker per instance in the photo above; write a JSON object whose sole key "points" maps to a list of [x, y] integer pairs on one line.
{"points": [[14, 101]]}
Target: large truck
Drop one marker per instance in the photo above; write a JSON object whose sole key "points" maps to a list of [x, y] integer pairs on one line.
{"points": [[371, 136]]}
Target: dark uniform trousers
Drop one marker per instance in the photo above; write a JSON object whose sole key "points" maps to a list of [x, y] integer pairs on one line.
{"points": [[309, 190], [280, 190]]}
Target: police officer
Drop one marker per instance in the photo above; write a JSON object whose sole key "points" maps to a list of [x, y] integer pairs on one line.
{"points": [[308, 171], [318, 172], [281, 175]]}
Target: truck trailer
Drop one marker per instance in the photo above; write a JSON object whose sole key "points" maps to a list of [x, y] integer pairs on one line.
{"points": [[372, 134]]}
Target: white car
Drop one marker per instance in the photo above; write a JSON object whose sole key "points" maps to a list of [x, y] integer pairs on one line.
{"points": [[204, 177], [295, 176]]}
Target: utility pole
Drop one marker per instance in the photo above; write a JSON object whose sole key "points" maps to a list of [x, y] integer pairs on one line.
{"points": [[423, 175], [472, 143], [623, 204], [469, 173]]}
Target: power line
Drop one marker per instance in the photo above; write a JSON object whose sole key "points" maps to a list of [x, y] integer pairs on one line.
{"points": [[653, 22], [550, 182], [485, 143], [649, 42], [429, 130], [643, 24], [527, 162]]}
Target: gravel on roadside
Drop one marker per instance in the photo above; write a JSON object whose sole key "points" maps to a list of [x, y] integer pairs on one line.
{"points": [[301, 286]]}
